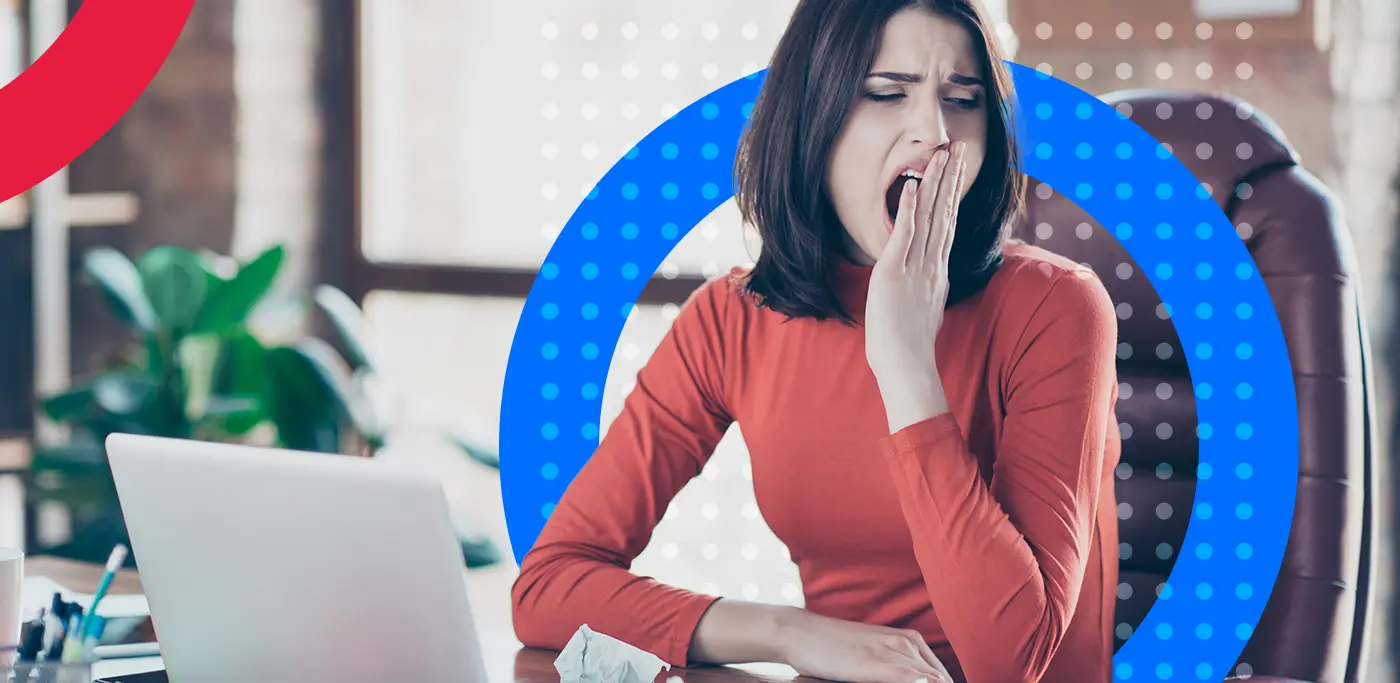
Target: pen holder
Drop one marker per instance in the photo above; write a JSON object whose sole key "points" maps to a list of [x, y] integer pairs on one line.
{"points": [[44, 671], [47, 672]]}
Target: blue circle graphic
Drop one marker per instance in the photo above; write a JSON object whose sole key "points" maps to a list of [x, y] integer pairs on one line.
{"points": [[683, 170]]}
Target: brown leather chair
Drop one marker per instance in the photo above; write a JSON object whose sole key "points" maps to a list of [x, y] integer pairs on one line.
{"points": [[1315, 625]]}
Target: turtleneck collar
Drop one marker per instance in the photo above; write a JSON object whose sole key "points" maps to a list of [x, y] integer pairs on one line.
{"points": [[852, 283]]}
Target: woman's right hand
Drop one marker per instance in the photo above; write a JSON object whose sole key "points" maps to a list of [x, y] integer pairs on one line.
{"points": [[852, 652]]}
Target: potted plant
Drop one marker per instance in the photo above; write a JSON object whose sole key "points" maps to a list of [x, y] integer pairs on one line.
{"points": [[196, 370]]}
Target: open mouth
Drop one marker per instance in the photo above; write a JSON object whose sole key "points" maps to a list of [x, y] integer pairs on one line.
{"points": [[892, 193]]}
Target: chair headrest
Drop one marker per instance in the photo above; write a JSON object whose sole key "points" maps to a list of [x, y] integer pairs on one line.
{"points": [[1220, 139]]}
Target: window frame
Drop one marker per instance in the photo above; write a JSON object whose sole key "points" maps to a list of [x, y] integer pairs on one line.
{"points": [[341, 259]]}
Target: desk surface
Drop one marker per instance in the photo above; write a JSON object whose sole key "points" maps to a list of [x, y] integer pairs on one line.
{"points": [[506, 660]]}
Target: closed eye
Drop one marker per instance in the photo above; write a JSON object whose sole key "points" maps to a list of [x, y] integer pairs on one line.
{"points": [[963, 102]]}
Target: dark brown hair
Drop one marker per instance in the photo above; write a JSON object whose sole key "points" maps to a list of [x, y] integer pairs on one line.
{"points": [[814, 79]]}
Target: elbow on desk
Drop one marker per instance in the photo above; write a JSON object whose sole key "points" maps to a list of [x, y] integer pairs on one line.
{"points": [[534, 621], [543, 599]]}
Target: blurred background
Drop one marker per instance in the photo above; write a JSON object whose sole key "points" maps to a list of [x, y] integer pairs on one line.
{"points": [[318, 226]]}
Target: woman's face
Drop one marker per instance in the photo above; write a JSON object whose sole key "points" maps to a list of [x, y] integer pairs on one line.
{"points": [[924, 92]]}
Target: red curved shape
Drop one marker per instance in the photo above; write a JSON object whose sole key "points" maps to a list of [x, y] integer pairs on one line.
{"points": [[78, 89]]}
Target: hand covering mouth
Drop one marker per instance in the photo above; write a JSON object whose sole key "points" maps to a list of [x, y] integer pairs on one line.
{"points": [[893, 191]]}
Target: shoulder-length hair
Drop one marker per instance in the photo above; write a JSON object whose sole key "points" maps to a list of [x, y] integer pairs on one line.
{"points": [[815, 77]]}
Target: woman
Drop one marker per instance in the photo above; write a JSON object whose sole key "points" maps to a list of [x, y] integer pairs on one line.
{"points": [[928, 408]]}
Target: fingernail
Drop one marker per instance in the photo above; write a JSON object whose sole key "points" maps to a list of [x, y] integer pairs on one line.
{"points": [[940, 158]]}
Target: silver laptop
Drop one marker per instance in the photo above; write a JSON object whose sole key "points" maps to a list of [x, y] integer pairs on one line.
{"points": [[279, 566]]}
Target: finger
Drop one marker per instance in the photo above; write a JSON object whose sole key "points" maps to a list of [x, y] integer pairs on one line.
{"points": [[921, 674], [900, 240], [951, 232], [911, 652], [926, 653], [904, 673], [947, 199], [928, 196], [930, 678], [935, 678]]}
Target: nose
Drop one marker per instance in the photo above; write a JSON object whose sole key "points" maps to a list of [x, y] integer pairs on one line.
{"points": [[926, 124]]}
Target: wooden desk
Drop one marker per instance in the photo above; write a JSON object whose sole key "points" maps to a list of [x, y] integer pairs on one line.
{"points": [[512, 664]]}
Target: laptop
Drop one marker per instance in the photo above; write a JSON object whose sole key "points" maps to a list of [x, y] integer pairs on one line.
{"points": [[270, 565]]}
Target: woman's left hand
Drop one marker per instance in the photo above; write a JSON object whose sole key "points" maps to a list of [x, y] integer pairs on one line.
{"points": [[908, 292]]}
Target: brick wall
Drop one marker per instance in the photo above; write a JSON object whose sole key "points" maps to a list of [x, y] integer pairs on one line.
{"points": [[221, 151], [175, 150]]}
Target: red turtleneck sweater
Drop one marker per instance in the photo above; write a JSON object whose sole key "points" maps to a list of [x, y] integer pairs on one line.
{"points": [[990, 529]]}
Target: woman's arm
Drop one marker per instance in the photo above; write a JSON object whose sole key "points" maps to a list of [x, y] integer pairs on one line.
{"points": [[734, 632], [1004, 563], [816, 646], [578, 570]]}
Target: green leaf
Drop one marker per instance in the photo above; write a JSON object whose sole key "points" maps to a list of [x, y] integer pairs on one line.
{"points": [[243, 371], [349, 321], [115, 394], [157, 362], [231, 302], [474, 449], [350, 403], [82, 455], [223, 406], [163, 413], [121, 284], [69, 405], [198, 355], [73, 474], [299, 402], [176, 284], [74, 491], [122, 392], [233, 415], [218, 266], [479, 551]]}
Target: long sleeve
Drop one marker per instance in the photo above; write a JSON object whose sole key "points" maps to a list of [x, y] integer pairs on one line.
{"points": [[578, 570], [1004, 561]]}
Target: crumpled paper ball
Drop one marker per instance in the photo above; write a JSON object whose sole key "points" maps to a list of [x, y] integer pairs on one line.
{"points": [[593, 657]]}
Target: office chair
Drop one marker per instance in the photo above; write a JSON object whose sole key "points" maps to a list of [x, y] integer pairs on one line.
{"points": [[1315, 624]]}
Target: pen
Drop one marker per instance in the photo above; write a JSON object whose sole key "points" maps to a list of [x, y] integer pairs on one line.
{"points": [[57, 621], [65, 634], [94, 633], [59, 608], [34, 639], [114, 562]]}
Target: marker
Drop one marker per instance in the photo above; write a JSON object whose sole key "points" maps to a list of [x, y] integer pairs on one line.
{"points": [[34, 639], [94, 631], [114, 563], [65, 634]]}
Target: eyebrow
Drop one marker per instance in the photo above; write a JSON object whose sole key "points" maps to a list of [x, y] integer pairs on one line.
{"points": [[957, 79]]}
